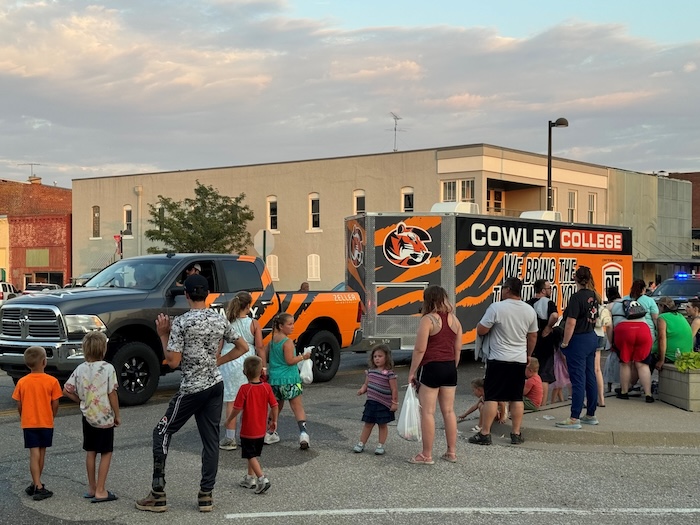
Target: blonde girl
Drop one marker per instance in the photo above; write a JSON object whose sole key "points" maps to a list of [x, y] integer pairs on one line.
{"points": [[238, 314], [284, 375], [382, 397]]}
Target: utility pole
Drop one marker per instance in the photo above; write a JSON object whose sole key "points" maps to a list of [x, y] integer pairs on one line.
{"points": [[396, 121], [31, 167]]}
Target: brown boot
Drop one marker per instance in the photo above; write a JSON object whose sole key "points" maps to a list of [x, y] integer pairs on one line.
{"points": [[154, 502], [205, 501]]}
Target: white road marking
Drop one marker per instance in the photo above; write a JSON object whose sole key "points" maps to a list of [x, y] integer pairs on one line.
{"points": [[493, 511]]}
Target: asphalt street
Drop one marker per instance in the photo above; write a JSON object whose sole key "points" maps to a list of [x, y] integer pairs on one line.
{"points": [[531, 484]]}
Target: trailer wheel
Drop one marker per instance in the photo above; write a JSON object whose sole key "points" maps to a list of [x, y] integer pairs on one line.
{"points": [[138, 371], [326, 356]]}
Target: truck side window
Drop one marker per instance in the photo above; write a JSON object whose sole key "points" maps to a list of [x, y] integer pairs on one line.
{"points": [[241, 276]]}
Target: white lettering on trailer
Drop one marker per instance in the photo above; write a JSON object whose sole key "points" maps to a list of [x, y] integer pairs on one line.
{"points": [[584, 239], [511, 237]]}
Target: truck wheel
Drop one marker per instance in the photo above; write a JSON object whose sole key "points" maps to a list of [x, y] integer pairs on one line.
{"points": [[326, 356], [138, 371]]}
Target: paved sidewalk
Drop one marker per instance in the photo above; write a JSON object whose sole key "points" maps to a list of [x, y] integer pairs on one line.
{"points": [[624, 423]]}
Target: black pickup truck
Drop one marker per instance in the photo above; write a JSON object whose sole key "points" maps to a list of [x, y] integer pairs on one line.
{"points": [[124, 299]]}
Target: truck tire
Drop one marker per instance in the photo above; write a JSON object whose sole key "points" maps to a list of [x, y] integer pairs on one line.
{"points": [[138, 371], [326, 356]]}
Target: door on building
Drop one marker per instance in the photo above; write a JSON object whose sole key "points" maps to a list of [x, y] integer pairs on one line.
{"points": [[495, 201]]}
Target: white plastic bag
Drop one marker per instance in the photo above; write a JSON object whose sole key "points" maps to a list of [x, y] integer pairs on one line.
{"points": [[409, 418], [306, 368]]}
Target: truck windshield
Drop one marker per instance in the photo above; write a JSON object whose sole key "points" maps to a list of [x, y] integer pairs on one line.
{"points": [[133, 273]]}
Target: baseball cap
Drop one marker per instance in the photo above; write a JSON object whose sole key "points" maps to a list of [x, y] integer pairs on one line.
{"points": [[195, 266], [196, 284]]}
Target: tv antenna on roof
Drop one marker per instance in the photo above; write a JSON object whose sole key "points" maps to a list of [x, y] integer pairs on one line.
{"points": [[396, 121], [31, 167]]}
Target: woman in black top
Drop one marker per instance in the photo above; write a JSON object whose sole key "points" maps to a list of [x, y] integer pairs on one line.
{"points": [[579, 347]]}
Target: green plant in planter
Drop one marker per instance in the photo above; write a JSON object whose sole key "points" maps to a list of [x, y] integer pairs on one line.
{"points": [[687, 362]]}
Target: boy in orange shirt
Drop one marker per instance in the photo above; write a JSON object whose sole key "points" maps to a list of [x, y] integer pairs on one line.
{"points": [[37, 396]]}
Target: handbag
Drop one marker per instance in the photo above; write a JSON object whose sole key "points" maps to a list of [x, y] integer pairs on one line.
{"points": [[409, 418]]}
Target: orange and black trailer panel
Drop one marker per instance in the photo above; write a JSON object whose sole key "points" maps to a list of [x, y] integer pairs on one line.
{"points": [[392, 258]]}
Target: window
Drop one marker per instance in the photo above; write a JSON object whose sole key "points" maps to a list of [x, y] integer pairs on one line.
{"points": [[407, 199], [359, 204], [571, 217], [555, 195], [96, 222], [591, 208], [127, 227], [449, 191], [458, 190], [314, 212], [495, 201], [313, 267], [273, 267], [467, 194], [240, 276], [272, 213]]}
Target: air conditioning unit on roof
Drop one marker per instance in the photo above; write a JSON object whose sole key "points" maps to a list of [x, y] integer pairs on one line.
{"points": [[542, 215], [455, 207]]}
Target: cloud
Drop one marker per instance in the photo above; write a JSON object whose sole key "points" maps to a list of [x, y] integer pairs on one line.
{"points": [[100, 89]]}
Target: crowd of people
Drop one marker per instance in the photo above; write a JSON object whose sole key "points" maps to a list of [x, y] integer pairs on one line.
{"points": [[532, 355]]}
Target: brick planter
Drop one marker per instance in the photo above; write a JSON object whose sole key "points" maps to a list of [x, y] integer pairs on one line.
{"points": [[681, 389]]}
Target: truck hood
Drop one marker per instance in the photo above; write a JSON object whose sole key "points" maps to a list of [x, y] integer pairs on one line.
{"points": [[81, 300]]}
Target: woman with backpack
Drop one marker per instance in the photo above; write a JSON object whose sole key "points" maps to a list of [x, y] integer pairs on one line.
{"points": [[633, 337]]}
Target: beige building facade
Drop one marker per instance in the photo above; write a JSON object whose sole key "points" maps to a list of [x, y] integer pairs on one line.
{"points": [[303, 203]]}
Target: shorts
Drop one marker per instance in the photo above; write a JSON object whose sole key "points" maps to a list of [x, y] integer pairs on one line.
{"points": [[546, 371], [100, 440], [633, 341], [504, 381], [251, 447], [438, 373], [286, 392], [38, 437]]}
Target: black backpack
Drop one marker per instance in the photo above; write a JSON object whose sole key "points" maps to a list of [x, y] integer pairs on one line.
{"points": [[633, 309]]}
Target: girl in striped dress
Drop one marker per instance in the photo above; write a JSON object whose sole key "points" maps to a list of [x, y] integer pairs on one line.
{"points": [[382, 397]]}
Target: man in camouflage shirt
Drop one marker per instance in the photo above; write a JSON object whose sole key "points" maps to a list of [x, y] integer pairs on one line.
{"points": [[193, 342]]}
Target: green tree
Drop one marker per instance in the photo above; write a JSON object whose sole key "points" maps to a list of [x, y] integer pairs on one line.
{"points": [[210, 222]]}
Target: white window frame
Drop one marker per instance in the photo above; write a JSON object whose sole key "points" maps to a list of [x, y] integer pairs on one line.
{"points": [[448, 191], [314, 229], [491, 201], [458, 190], [572, 202], [272, 199], [272, 263], [313, 267], [592, 205], [355, 196], [128, 222], [405, 191], [466, 190]]}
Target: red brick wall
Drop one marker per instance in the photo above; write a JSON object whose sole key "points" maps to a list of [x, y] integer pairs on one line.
{"points": [[41, 231], [18, 198]]}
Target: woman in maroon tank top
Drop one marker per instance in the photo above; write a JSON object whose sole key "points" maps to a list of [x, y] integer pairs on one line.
{"points": [[434, 367]]}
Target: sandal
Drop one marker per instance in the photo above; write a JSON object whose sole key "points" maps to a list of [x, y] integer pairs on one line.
{"points": [[420, 459], [449, 456]]}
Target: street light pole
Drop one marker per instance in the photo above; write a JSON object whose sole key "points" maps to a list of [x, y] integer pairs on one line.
{"points": [[559, 123]]}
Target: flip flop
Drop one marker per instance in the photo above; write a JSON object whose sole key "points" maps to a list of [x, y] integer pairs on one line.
{"points": [[111, 496], [88, 496], [420, 459]]}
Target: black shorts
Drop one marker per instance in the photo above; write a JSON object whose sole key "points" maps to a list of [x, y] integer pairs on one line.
{"points": [[38, 437], [251, 447], [100, 440], [438, 373], [504, 381]]}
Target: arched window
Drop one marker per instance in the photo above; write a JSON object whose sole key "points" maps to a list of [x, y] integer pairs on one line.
{"points": [[127, 228], [407, 198], [313, 267], [272, 224], [358, 201]]}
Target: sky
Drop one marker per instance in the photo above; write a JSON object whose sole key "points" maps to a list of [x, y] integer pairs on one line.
{"points": [[102, 88]]}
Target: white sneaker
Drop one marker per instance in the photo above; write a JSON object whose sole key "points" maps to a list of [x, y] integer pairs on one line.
{"points": [[248, 482], [262, 485], [271, 438], [303, 441]]}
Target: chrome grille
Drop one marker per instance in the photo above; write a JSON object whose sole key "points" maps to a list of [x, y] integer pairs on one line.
{"points": [[29, 323]]}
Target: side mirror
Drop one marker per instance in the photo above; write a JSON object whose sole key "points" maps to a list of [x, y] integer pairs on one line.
{"points": [[174, 291]]}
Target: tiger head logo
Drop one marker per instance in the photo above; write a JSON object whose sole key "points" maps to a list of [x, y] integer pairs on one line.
{"points": [[406, 246], [356, 246]]}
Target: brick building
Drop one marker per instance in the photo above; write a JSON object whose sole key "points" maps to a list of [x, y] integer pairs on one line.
{"points": [[35, 232]]}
